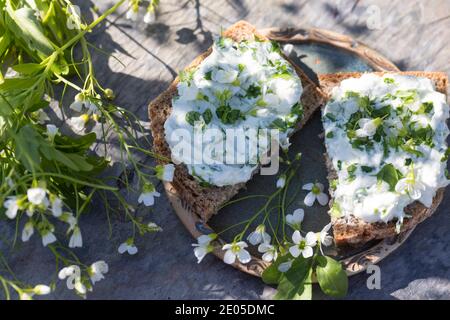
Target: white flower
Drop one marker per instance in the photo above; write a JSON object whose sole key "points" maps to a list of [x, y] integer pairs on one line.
{"points": [[47, 238], [281, 182], [41, 290], [296, 218], [154, 227], [132, 14], [12, 206], [224, 76], [148, 195], [206, 238], [203, 246], [73, 275], [287, 49], [37, 196], [259, 236], [285, 266], [284, 143], [78, 103], [269, 252], [316, 193], [52, 131], [324, 237], [28, 231], [97, 270], [76, 240], [303, 246], [68, 218], [150, 17], [128, 246], [166, 172], [236, 249], [410, 186], [57, 205], [79, 122], [368, 127], [42, 117]]}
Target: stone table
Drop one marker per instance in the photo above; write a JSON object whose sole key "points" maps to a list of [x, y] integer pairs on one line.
{"points": [[414, 35]]}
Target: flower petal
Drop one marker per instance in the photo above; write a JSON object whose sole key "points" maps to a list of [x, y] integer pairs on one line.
{"points": [[309, 199], [295, 251], [322, 198], [285, 266], [244, 256], [229, 257], [122, 248], [254, 238], [307, 252], [311, 239], [132, 250], [296, 237], [308, 186], [268, 256]]}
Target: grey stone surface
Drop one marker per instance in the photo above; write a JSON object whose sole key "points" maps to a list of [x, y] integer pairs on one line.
{"points": [[413, 35]]}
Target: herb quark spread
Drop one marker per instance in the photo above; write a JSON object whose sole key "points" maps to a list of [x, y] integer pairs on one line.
{"points": [[386, 137], [244, 86]]}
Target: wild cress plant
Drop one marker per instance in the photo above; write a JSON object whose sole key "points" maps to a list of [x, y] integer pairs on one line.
{"points": [[50, 176]]}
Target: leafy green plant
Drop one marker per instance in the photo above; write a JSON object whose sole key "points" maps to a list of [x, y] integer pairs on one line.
{"points": [[49, 176]]}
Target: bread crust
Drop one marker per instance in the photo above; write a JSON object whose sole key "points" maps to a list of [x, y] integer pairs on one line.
{"points": [[352, 230], [206, 201]]}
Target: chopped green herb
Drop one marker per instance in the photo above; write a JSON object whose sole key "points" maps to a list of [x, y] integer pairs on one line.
{"points": [[228, 115], [390, 175], [192, 117], [208, 75], [253, 91], [330, 116], [367, 169], [207, 116]]}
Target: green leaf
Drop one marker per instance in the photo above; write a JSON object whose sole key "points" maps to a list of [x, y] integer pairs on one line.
{"points": [[390, 175], [27, 27], [27, 142], [331, 277], [27, 68], [271, 275], [75, 145], [72, 161], [291, 285], [307, 288], [5, 41], [50, 153], [17, 83]]}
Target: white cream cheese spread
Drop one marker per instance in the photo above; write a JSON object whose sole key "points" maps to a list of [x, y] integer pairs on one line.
{"points": [[244, 86], [386, 138]]}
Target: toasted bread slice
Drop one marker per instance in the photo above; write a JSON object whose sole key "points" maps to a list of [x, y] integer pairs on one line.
{"points": [[205, 201], [353, 231]]}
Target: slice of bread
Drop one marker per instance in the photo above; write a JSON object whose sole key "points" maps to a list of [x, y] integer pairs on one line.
{"points": [[353, 231], [205, 201]]}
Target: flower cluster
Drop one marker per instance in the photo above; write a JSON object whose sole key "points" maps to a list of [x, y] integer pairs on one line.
{"points": [[37, 203], [133, 12], [82, 284], [52, 170]]}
